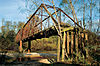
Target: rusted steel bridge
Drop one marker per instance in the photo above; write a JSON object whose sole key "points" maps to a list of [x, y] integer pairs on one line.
{"points": [[50, 20]]}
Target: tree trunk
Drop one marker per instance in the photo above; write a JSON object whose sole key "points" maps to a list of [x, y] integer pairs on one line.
{"points": [[73, 11], [90, 26], [84, 14]]}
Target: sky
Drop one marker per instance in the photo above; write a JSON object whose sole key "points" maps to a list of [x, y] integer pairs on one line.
{"points": [[10, 10], [14, 10]]}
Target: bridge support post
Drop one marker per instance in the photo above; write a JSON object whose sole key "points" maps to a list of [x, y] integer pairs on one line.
{"points": [[72, 42], [68, 42], [63, 47], [82, 34], [58, 49], [20, 47], [86, 38], [82, 39], [29, 46], [76, 44]]}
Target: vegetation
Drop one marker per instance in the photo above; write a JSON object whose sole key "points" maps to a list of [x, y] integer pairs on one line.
{"points": [[44, 44], [88, 20], [7, 35], [7, 39]]}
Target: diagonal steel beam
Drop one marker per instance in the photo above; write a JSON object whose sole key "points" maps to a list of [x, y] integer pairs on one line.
{"points": [[31, 17], [55, 22], [46, 18], [65, 14], [71, 19]]}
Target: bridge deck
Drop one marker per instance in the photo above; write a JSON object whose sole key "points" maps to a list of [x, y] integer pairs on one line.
{"points": [[48, 32], [42, 34]]}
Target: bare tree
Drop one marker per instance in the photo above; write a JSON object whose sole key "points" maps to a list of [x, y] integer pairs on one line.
{"points": [[90, 25], [73, 11], [84, 14]]}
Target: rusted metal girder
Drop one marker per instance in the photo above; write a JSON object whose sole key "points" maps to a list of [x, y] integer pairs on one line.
{"points": [[71, 19], [46, 18], [29, 28], [65, 14], [50, 14], [31, 17]]}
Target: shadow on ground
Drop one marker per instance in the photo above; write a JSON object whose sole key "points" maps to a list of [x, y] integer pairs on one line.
{"points": [[10, 61], [19, 61]]}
